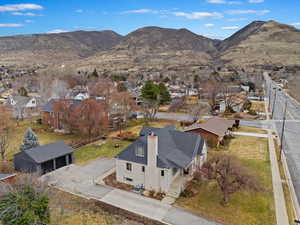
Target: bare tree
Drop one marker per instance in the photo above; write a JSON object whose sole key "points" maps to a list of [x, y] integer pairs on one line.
{"points": [[231, 99], [91, 118], [230, 175], [6, 126], [196, 111], [212, 89]]}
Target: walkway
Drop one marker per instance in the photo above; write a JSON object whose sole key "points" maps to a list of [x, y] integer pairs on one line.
{"points": [[280, 204], [251, 134]]}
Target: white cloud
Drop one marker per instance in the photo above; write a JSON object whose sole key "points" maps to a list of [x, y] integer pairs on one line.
{"points": [[230, 28], [19, 7], [241, 12], [29, 21], [23, 14], [11, 25], [296, 24], [256, 1], [224, 2], [209, 25], [199, 15], [237, 19], [57, 31], [141, 11], [79, 10]]}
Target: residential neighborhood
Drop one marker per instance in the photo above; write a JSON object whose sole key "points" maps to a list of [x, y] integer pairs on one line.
{"points": [[149, 112]]}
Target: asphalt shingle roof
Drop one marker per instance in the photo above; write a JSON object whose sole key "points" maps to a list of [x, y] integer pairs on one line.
{"points": [[47, 152], [176, 149], [214, 125]]}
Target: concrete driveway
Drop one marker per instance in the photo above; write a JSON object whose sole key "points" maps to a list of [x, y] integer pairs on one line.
{"points": [[81, 179]]}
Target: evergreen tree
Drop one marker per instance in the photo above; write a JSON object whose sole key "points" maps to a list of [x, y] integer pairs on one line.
{"points": [[150, 91], [164, 94], [24, 205], [30, 140]]}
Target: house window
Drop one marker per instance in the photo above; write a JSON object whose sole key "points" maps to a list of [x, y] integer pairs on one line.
{"points": [[139, 151], [162, 173], [128, 179], [128, 166], [143, 169]]}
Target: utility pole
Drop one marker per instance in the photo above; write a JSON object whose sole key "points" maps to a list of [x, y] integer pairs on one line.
{"points": [[283, 129], [273, 109]]}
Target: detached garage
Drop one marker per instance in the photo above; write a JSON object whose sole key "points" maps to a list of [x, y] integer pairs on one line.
{"points": [[44, 159]]}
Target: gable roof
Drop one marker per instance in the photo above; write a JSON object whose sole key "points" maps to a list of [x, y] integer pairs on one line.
{"points": [[176, 149], [47, 152], [215, 125]]}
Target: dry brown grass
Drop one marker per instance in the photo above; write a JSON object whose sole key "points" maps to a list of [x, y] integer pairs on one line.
{"points": [[252, 130], [258, 106], [248, 147], [67, 209]]}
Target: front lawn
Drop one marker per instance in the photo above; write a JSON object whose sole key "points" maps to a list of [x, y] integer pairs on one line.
{"points": [[245, 207], [107, 150]]}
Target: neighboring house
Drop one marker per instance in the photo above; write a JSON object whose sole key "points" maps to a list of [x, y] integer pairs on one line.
{"points": [[23, 106], [44, 159], [161, 158], [213, 130], [52, 118], [7, 178]]}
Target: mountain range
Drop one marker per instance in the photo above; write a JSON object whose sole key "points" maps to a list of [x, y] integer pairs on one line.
{"points": [[260, 42]]}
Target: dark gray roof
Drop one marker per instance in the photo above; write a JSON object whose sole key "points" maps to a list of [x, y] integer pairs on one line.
{"points": [[4, 176], [47, 152], [49, 106], [176, 149]]}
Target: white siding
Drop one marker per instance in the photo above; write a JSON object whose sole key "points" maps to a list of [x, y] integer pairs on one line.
{"points": [[136, 173]]}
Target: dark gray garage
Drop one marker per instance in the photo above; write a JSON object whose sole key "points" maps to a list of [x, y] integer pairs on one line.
{"points": [[44, 159]]}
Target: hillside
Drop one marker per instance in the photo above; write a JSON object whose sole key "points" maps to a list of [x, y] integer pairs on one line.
{"points": [[55, 48], [155, 48], [264, 43]]}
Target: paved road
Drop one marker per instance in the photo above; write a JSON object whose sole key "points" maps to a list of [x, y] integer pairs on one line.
{"points": [[291, 141]]}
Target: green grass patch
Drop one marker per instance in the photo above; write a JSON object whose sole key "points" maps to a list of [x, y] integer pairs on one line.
{"points": [[107, 150]]}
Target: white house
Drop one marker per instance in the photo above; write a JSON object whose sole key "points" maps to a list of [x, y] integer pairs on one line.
{"points": [[23, 106], [160, 157]]}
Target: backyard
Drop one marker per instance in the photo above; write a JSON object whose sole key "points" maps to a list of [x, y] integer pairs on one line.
{"points": [[245, 207]]}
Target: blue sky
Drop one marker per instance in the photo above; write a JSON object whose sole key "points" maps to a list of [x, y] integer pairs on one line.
{"points": [[212, 18]]}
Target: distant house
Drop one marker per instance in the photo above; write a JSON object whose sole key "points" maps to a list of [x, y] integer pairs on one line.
{"points": [[44, 159], [7, 178], [52, 118], [22, 106], [213, 130], [161, 159]]}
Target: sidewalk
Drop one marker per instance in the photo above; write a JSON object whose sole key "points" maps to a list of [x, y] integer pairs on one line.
{"points": [[251, 134], [280, 204]]}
